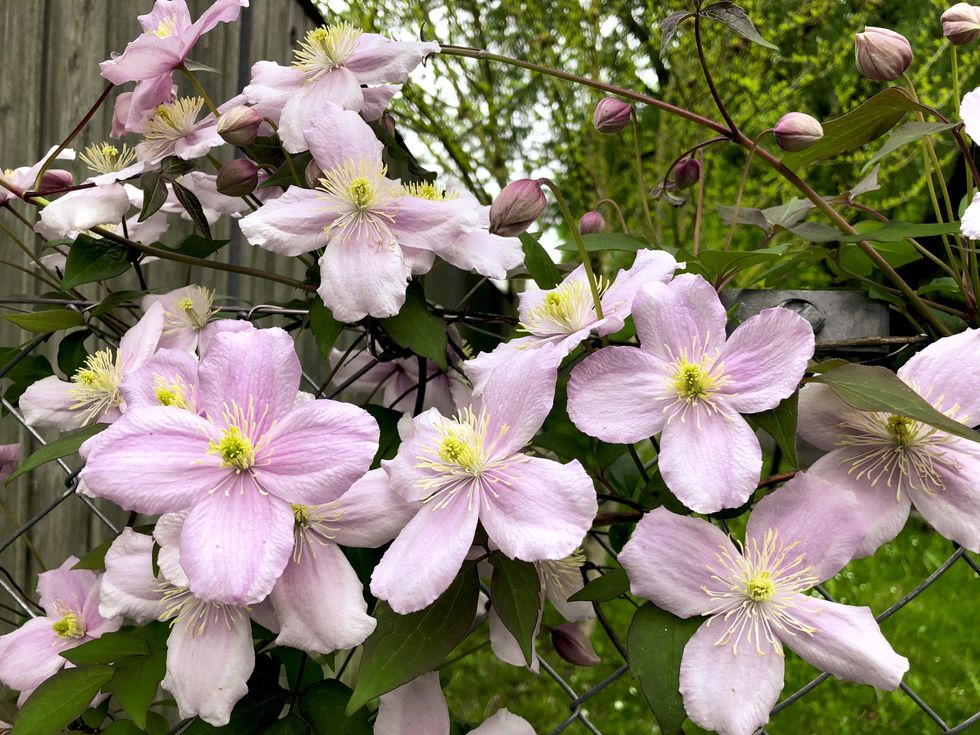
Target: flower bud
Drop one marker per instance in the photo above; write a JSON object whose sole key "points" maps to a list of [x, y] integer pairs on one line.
{"points": [[237, 178], [573, 645], [611, 115], [54, 179], [239, 126], [516, 207], [796, 131], [591, 223], [687, 173], [881, 54], [961, 24]]}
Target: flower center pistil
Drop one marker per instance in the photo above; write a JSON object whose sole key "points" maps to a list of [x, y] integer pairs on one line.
{"points": [[173, 120], [427, 190], [167, 27], [69, 626], [235, 449], [563, 310], [326, 48], [95, 386], [363, 195], [105, 158], [692, 382], [902, 430], [462, 453], [302, 514], [761, 588]]}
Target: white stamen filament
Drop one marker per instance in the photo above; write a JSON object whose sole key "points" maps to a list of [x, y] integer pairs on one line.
{"points": [[326, 48], [563, 310], [312, 527], [95, 386], [105, 158], [694, 383], [364, 198], [173, 121]]}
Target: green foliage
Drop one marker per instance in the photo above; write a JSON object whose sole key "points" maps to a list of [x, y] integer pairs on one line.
{"points": [[515, 593], [418, 329], [63, 446]]}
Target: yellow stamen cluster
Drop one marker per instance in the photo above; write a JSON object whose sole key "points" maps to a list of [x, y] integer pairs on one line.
{"points": [[69, 626], [302, 514], [563, 310], [902, 429], [173, 120], [454, 450], [326, 48], [427, 190], [105, 158], [363, 192], [171, 393], [167, 27], [235, 449], [95, 386], [761, 588], [692, 382]]}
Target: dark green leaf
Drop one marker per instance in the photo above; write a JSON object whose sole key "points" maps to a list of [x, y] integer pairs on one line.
{"points": [[874, 388], [668, 28], [598, 242], [896, 231], [154, 188], [192, 205], [289, 725], [325, 328], [907, 133], [895, 254], [60, 700], [404, 646], [49, 320], [136, 681], [387, 419], [174, 166], [95, 559], [157, 724], [93, 717], [62, 447], [609, 586], [294, 660], [780, 424], [113, 300], [109, 648], [71, 352], [323, 705], [283, 176], [91, 260], [196, 246], [515, 592], [418, 329], [538, 263], [27, 371], [123, 727], [655, 643], [738, 20]]}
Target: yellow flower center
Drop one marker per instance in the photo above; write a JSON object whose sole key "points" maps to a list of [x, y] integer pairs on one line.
{"points": [[454, 450], [303, 515], [105, 158], [235, 449], [70, 626], [167, 27], [427, 190], [326, 48], [563, 310], [173, 120], [186, 303], [95, 386], [692, 382], [362, 192], [902, 430], [761, 588]]}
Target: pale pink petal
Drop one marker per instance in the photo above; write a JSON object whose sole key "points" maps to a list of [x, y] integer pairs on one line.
{"points": [[954, 510], [167, 13], [765, 358], [423, 561], [883, 509], [134, 110], [376, 100], [235, 544], [371, 512], [29, 655], [414, 708], [272, 84], [48, 403], [730, 693], [420, 261], [264, 614], [140, 342], [970, 113], [619, 395], [128, 585], [505, 646], [710, 459], [820, 415], [419, 436], [221, 11], [428, 224], [683, 317], [65, 588], [336, 136], [970, 222], [846, 642], [379, 60], [360, 276], [480, 368], [317, 451], [650, 266], [820, 518], [199, 141], [207, 669], [86, 208], [319, 602], [537, 508], [220, 326], [504, 722], [147, 57], [945, 374], [252, 368], [669, 560], [479, 251], [302, 111], [560, 581], [166, 369], [166, 533], [171, 441]]}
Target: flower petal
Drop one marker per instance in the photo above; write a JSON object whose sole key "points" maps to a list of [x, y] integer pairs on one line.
{"points": [[954, 511], [166, 369], [970, 113], [29, 655], [535, 508], [376, 100], [970, 222], [710, 459], [728, 692], [847, 643], [147, 57], [140, 342], [289, 225], [377, 60], [427, 223], [945, 374], [221, 11], [86, 208], [337, 88], [649, 266], [128, 586], [48, 403], [479, 251], [684, 316], [504, 722], [166, 533], [820, 414], [336, 136], [416, 707], [371, 512], [271, 85], [669, 560]]}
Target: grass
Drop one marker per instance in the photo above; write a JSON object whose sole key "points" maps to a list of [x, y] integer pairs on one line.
{"points": [[936, 632]]}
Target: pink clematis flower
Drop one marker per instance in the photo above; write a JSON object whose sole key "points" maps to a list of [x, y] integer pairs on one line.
{"points": [[334, 65], [70, 600], [692, 384], [565, 315], [174, 130], [24, 176], [83, 209], [238, 468], [93, 393], [187, 314], [891, 462], [110, 163], [420, 707], [469, 469], [732, 668], [377, 233], [10, 455]]}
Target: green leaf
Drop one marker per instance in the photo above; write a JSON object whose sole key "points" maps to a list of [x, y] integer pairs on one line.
{"points": [[93, 717], [609, 586], [404, 646], [418, 329], [289, 725], [136, 681], [71, 351], [62, 447], [515, 592], [907, 133], [154, 188], [874, 388], [49, 320], [867, 122], [174, 166], [387, 419], [738, 20], [113, 300], [896, 254], [668, 29], [293, 660], [538, 263], [196, 246], [325, 328], [283, 176], [60, 700], [598, 242], [95, 559], [896, 231], [91, 260], [27, 371], [257, 710], [780, 424], [323, 704], [655, 643], [108, 649], [123, 727], [192, 205]]}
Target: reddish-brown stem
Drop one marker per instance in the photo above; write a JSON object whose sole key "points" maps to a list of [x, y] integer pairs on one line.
{"points": [[71, 136]]}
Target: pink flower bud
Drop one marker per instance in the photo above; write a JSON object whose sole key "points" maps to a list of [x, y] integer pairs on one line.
{"points": [[237, 178], [516, 207], [591, 223], [687, 173], [55, 179], [961, 24], [611, 115], [388, 123], [573, 645], [239, 126], [796, 131], [881, 54]]}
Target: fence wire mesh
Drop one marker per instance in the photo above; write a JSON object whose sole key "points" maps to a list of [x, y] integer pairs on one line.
{"points": [[577, 702]]}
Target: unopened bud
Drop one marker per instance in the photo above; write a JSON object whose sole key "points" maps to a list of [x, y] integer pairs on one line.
{"points": [[313, 174], [687, 173], [961, 24], [55, 180], [611, 115], [237, 178], [573, 645], [881, 54], [388, 123], [239, 126], [796, 131], [591, 223], [516, 207]]}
